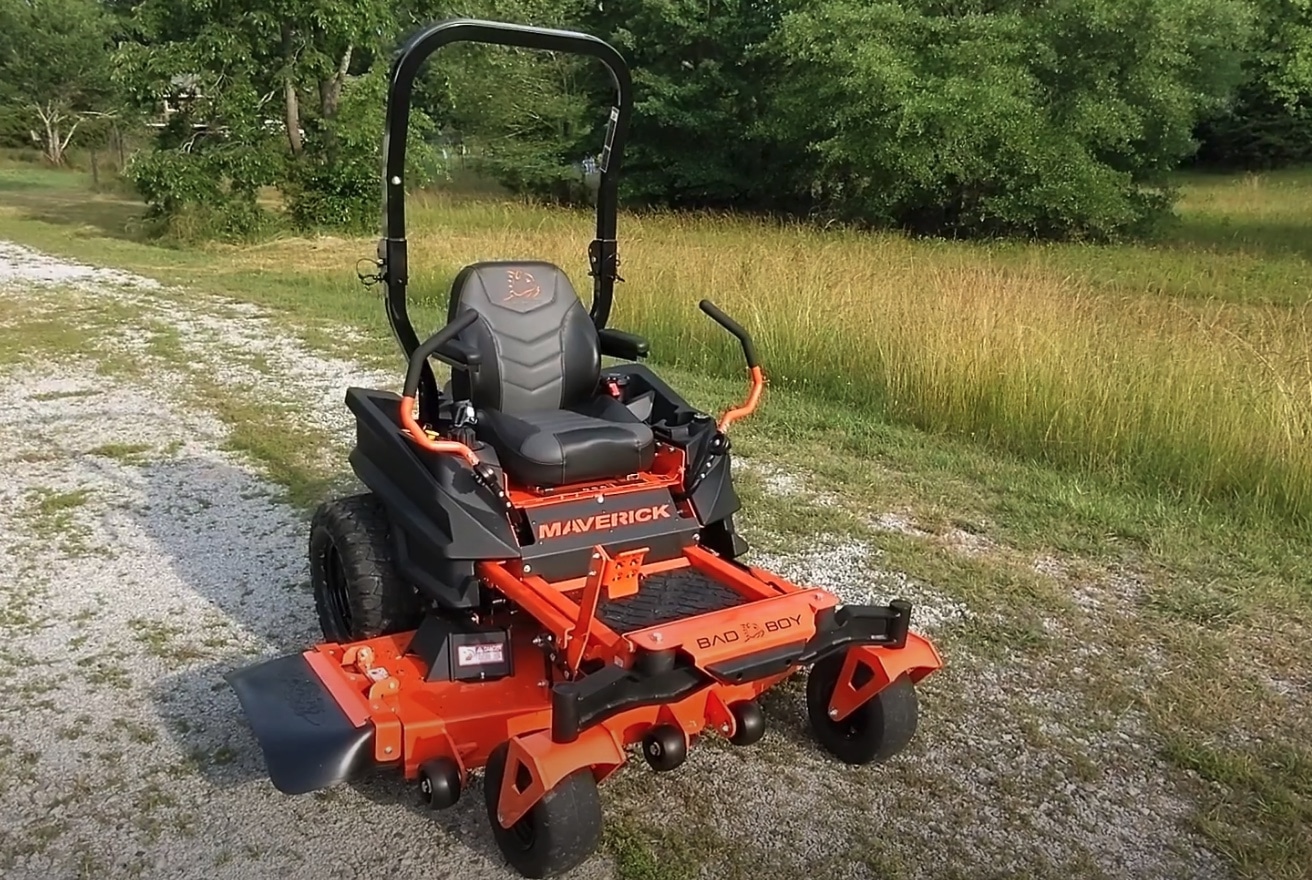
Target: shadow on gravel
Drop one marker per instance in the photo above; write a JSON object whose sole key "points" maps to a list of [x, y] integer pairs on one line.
{"points": [[227, 536], [207, 725]]}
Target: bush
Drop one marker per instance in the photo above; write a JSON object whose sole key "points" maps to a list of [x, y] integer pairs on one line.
{"points": [[1261, 132], [1269, 124], [337, 182], [1049, 121], [199, 186]]}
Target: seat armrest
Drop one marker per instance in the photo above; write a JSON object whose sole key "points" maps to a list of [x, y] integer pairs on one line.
{"points": [[458, 354], [619, 344]]}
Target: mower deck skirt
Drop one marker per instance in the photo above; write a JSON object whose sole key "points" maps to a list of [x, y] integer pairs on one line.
{"points": [[308, 741]]}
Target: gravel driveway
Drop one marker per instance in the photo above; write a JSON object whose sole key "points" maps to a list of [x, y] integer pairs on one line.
{"points": [[140, 559]]}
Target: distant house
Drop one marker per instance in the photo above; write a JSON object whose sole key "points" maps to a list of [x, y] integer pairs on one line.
{"points": [[183, 91]]}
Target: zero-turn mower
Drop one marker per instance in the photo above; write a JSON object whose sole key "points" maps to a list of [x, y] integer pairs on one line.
{"points": [[544, 571]]}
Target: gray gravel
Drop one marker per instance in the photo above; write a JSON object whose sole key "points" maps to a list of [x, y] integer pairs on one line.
{"points": [[134, 570]]}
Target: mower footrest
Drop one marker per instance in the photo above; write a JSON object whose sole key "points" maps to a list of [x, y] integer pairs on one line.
{"points": [[308, 741], [835, 629]]}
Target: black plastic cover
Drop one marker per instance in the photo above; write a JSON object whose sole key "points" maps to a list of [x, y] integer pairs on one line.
{"points": [[456, 650], [307, 740]]}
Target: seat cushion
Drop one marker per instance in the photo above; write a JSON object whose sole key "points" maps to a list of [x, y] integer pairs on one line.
{"points": [[600, 440]]}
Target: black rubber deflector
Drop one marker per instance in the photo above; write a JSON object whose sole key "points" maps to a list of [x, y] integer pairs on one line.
{"points": [[579, 704], [307, 740]]}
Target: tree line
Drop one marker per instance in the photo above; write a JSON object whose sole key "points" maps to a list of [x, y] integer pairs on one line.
{"points": [[1036, 118]]}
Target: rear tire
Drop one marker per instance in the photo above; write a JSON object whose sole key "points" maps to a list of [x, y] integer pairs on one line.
{"points": [[559, 833], [876, 731], [358, 592]]}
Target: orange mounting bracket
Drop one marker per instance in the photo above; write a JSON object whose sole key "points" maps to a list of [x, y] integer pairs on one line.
{"points": [[882, 666], [617, 577], [535, 764], [720, 715]]}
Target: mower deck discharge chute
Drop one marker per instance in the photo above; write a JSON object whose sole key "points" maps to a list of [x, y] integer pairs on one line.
{"points": [[544, 571]]}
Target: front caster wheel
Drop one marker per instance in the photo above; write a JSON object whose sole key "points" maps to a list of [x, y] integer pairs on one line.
{"points": [[749, 721], [875, 732], [561, 830], [664, 747], [439, 783]]}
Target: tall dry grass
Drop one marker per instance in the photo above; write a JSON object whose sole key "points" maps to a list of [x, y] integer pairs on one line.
{"points": [[1207, 398]]}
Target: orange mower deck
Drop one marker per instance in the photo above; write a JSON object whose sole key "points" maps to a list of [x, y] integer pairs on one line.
{"points": [[381, 687]]}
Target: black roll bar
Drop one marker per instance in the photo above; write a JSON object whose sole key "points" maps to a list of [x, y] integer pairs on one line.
{"points": [[602, 253]]}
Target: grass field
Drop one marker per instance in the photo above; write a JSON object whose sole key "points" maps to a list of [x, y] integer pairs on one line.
{"points": [[1141, 409], [1183, 366]]}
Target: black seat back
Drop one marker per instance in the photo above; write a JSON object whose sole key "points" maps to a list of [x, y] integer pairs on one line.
{"points": [[538, 344]]}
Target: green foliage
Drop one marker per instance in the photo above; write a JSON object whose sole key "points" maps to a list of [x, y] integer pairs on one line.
{"points": [[964, 118], [1260, 131], [521, 114], [337, 183], [209, 161], [54, 62], [700, 134], [525, 117], [1003, 118], [15, 126], [969, 117], [290, 94], [1269, 124]]}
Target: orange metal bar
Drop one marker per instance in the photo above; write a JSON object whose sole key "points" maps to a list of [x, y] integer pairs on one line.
{"points": [[573, 584], [749, 406], [548, 607], [446, 447], [596, 583], [554, 611]]}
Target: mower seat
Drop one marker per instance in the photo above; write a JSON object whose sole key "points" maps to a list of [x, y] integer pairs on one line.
{"points": [[537, 388]]}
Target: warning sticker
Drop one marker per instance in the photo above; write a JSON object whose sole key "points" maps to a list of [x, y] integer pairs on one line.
{"points": [[480, 655]]}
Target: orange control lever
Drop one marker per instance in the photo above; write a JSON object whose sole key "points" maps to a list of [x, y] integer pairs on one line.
{"points": [[749, 406], [753, 365], [417, 434]]}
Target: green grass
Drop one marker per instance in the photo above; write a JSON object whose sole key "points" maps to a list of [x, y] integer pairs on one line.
{"points": [[1182, 366]]}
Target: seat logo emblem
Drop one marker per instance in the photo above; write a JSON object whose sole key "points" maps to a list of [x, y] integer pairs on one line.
{"points": [[521, 285]]}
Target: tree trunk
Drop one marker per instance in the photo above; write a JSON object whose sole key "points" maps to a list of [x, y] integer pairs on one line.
{"points": [[330, 89], [55, 141], [54, 155], [292, 107], [293, 117], [118, 146], [330, 97]]}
